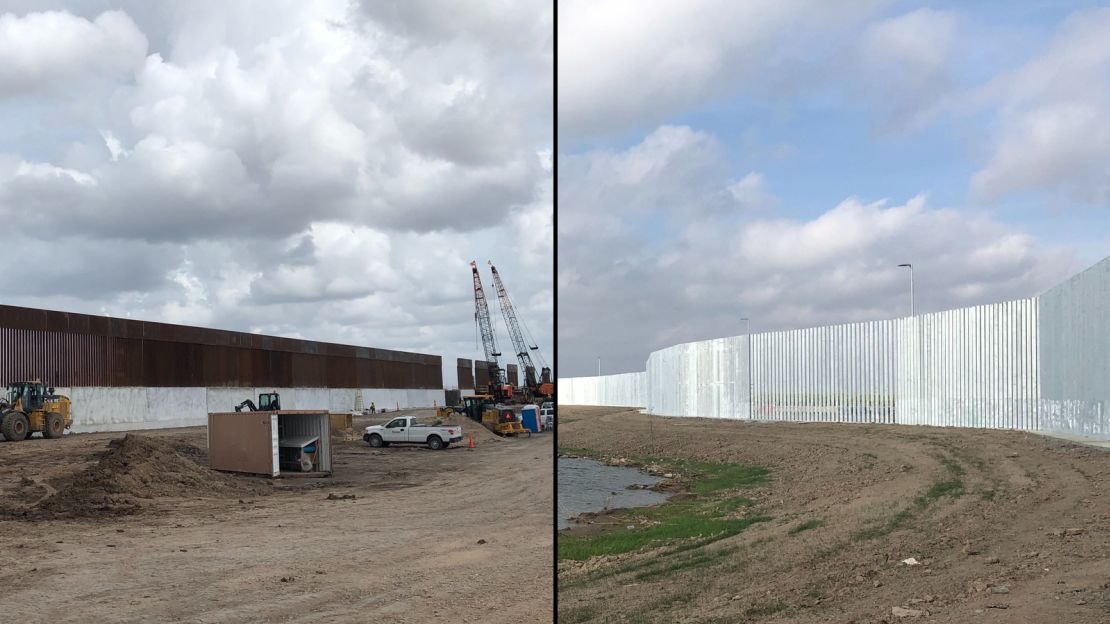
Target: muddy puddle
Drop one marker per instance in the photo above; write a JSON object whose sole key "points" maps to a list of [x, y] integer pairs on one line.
{"points": [[588, 485]]}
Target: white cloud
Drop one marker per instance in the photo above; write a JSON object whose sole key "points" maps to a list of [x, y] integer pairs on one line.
{"points": [[1051, 132], [309, 169], [625, 63], [643, 279], [40, 50], [903, 64]]}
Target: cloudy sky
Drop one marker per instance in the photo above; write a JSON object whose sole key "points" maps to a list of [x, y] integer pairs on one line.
{"points": [[777, 159], [322, 169]]}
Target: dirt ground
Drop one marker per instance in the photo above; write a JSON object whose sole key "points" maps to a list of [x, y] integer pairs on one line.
{"points": [[1028, 541], [393, 536]]}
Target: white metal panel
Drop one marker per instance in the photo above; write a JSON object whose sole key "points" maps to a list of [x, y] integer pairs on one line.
{"points": [[1040, 364]]}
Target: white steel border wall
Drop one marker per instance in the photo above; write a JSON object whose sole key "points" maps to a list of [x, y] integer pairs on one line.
{"points": [[1039, 364]]}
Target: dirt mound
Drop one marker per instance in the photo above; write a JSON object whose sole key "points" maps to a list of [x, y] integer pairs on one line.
{"points": [[136, 469], [471, 428]]}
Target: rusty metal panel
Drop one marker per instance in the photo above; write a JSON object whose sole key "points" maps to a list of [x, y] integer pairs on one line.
{"points": [[78, 350], [481, 374], [341, 372], [126, 361], [20, 318], [465, 371], [281, 369], [308, 371], [167, 364], [242, 442], [511, 373], [434, 380]]}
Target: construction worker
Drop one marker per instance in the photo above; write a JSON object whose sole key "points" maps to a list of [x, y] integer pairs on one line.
{"points": [[373, 410]]}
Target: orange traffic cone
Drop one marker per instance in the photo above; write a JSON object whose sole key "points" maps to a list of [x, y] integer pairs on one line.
{"points": [[471, 441]]}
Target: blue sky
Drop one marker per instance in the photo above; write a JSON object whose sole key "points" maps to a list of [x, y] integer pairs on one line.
{"points": [[992, 113]]}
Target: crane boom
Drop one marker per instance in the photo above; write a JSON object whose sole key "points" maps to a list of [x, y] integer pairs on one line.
{"points": [[481, 315], [514, 329]]}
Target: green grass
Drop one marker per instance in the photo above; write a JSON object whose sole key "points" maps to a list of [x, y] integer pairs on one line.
{"points": [[691, 521], [677, 527], [719, 477], [692, 560], [708, 477], [580, 451], [807, 525], [730, 505], [953, 488]]}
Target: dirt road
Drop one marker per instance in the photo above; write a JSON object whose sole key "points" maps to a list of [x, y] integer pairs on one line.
{"points": [[1007, 527], [405, 549]]}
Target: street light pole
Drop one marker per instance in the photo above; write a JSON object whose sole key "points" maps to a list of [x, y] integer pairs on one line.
{"points": [[599, 366], [910, 267], [751, 394]]}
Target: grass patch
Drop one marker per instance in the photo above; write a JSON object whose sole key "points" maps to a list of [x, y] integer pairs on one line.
{"points": [[577, 615], [580, 451], [952, 465], [953, 488], [693, 560], [807, 525], [675, 528], [699, 516], [730, 505], [710, 477]]}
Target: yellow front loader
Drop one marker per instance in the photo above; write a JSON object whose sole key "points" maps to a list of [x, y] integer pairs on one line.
{"points": [[30, 407]]}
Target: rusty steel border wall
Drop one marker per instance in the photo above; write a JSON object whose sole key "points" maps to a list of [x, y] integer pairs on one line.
{"points": [[465, 370], [69, 349]]}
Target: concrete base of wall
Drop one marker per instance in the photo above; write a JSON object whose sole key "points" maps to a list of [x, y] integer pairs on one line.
{"points": [[120, 409]]}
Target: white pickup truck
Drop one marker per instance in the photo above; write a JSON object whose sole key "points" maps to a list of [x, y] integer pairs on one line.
{"points": [[405, 430]]}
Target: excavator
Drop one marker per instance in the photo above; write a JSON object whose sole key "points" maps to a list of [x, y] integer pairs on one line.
{"points": [[267, 402], [30, 407]]}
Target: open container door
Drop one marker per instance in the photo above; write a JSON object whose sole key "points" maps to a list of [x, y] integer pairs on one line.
{"points": [[243, 442], [296, 429]]}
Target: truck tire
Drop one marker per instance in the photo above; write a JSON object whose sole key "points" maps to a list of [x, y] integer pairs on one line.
{"points": [[435, 442], [54, 426], [375, 441], [14, 426]]}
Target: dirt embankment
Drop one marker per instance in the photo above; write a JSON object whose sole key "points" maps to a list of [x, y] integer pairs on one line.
{"points": [[1004, 527], [124, 479]]}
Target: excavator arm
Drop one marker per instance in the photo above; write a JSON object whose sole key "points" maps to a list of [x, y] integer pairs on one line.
{"points": [[249, 404]]}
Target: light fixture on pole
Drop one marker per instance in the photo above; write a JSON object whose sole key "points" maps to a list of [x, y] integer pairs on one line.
{"points": [[910, 267]]}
